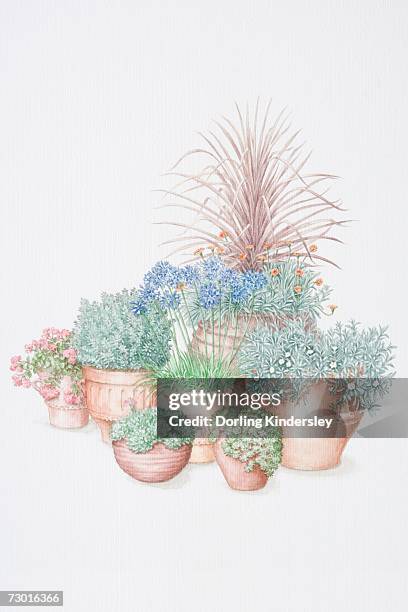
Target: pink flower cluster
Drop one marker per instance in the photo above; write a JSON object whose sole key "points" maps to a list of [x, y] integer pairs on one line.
{"points": [[48, 392], [15, 364], [49, 338], [71, 355]]}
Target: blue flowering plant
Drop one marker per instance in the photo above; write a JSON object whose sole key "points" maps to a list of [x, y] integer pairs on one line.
{"points": [[208, 291]]}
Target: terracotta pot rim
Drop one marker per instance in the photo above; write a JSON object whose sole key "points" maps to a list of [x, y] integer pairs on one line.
{"points": [[123, 441]]}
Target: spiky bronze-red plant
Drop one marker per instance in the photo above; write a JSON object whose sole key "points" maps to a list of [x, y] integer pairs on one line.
{"points": [[252, 198]]}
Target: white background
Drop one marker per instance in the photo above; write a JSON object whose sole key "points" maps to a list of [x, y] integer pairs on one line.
{"points": [[97, 99]]}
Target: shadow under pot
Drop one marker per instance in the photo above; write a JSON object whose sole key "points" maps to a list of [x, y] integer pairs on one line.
{"points": [[156, 465], [109, 395], [317, 449]]}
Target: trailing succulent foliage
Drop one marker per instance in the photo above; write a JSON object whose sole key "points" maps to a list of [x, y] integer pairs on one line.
{"points": [[107, 335], [139, 429], [266, 453], [345, 351], [210, 290]]}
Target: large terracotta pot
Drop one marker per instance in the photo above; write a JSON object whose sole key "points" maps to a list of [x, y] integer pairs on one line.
{"points": [[323, 452], [203, 451], [228, 338], [108, 393], [67, 417], [157, 465], [235, 474]]}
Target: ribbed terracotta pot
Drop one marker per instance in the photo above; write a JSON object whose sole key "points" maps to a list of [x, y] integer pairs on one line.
{"points": [[228, 338], [157, 465], [203, 451], [108, 392], [67, 417], [235, 474], [319, 453]]}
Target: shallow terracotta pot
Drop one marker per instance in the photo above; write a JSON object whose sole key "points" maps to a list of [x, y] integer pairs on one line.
{"points": [[107, 393], [65, 417], [157, 465], [235, 474], [319, 453], [202, 452]]}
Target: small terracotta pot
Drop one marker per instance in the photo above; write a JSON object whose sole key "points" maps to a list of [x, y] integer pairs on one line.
{"points": [[108, 392], [157, 465], [67, 417], [203, 451], [235, 474]]}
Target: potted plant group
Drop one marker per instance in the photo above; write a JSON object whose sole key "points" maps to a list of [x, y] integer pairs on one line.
{"points": [[116, 348], [142, 454], [50, 367], [342, 371]]}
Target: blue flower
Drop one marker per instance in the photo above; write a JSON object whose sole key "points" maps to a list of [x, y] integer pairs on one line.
{"points": [[254, 280], [189, 275], [169, 299], [163, 274], [239, 292], [210, 296], [213, 268]]}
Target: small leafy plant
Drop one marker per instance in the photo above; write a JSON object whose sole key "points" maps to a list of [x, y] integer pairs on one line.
{"points": [[50, 367], [265, 453], [139, 429], [107, 335]]}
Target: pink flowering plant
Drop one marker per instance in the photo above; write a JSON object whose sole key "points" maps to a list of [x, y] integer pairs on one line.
{"points": [[50, 367]]}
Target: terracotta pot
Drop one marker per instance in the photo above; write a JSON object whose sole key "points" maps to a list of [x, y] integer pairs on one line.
{"points": [[105, 429], [108, 392], [157, 465], [319, 453], [228, 338], [67, 417], [235, 474], [203, 451]]}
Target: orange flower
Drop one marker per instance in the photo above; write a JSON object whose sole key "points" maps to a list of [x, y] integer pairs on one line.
{"points": [[318, 282], [249, 247], [261, 258], [220, 250], [275, 272], [299, 272], [332, 307], [180, 287], [267, 245], [313, 248], [243, 256], [297, 289], [297, 254], [199, 252], [223, 235]]}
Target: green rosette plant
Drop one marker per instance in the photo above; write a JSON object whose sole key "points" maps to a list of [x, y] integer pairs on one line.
{"points": [[108, 336], [139, 429], [264, 453]]}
